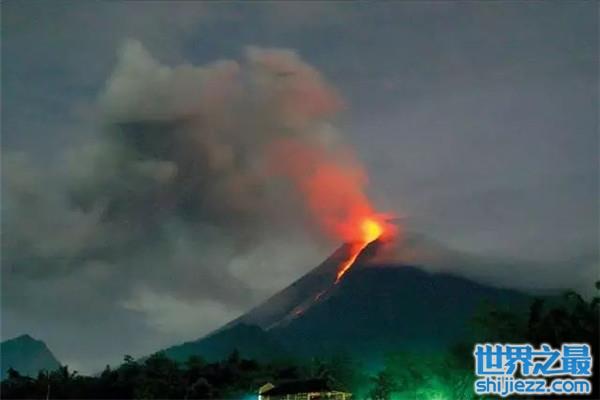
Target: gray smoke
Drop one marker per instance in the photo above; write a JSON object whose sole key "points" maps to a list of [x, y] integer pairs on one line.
{"points": [[169, 212]]}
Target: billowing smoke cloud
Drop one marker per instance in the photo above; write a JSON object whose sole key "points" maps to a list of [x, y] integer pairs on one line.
{"points": [[182, 199], [193, 141]]}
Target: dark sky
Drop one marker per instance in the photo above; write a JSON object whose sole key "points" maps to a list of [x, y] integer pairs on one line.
{"points": [[476, 121]]}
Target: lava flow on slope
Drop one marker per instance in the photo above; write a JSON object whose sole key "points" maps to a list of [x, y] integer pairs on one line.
{"points": [[371, 229]]}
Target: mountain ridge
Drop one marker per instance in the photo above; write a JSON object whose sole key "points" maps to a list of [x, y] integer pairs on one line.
{"points": [[26, 355]]}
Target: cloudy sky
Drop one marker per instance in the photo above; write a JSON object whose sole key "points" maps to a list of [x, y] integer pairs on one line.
{"points": [[134, 213]]}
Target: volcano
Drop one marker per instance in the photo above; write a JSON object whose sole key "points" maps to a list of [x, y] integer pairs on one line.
{"points": [[377, 307]]}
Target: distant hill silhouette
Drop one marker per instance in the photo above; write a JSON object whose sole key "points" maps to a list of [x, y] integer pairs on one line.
{"points": [[26, 355]]}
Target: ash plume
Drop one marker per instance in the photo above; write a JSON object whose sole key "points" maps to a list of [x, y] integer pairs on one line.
{"points": [[179, 198], [198, 137]]}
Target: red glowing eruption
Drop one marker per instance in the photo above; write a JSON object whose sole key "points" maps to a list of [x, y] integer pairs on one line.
{"points": [[370, 230], [332, 184]]}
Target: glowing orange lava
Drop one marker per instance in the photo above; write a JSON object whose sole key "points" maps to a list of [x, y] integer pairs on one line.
{"points": [[370, 230]]}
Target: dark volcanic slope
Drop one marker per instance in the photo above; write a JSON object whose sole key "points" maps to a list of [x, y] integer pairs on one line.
{"points": [[248, 333], [374, 309], [250, 340], [378, 309], [297, 296], [26, 355]]}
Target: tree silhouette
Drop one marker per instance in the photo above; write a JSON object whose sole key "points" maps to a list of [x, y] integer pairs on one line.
{"points": [[383, 386]]}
